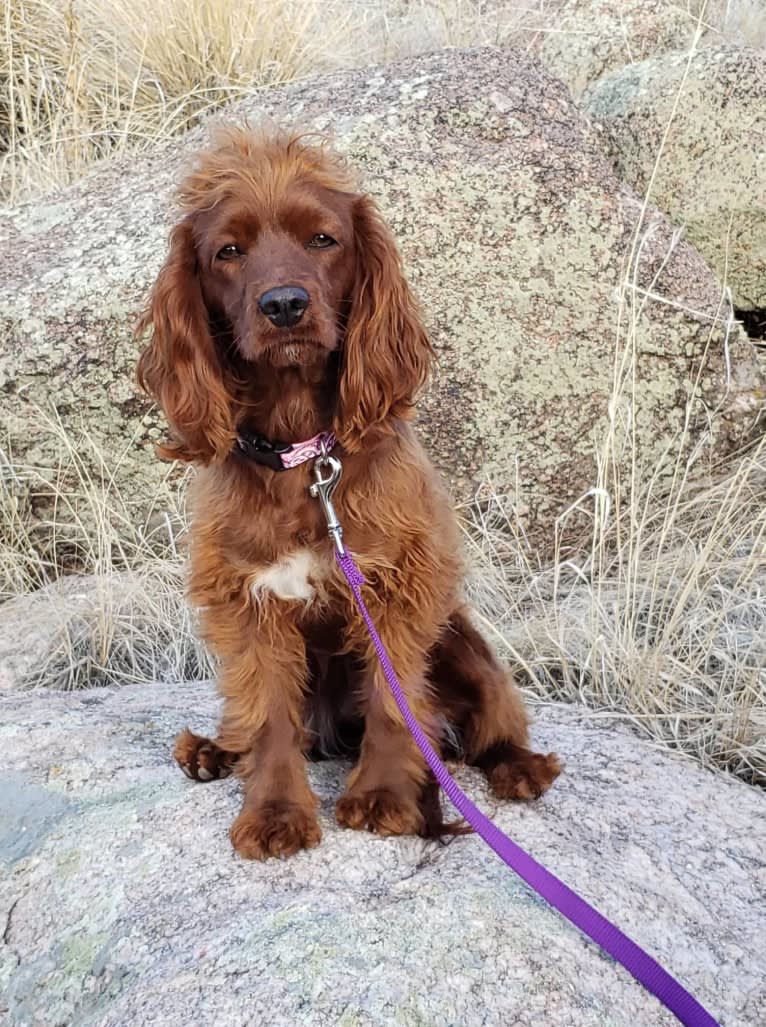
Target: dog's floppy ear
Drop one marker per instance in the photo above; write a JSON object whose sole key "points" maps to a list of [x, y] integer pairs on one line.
{"points": [[387, 352], [180, 367]]}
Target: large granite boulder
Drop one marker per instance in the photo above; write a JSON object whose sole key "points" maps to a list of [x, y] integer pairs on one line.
{"points": [[121, 901], [518, 238], [711, 174]]}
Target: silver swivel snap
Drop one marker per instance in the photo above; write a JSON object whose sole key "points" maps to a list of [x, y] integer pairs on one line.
{"points": [[323, 488]]}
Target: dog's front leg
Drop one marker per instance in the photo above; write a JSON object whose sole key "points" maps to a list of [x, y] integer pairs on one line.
{"points": [[385, 789], [262, 680]]}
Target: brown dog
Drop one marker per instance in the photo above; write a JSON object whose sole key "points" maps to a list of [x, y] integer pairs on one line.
{"points": [[282, 312]]}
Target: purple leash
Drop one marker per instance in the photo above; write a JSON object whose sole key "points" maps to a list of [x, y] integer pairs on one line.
{"points": [[647, 971]]}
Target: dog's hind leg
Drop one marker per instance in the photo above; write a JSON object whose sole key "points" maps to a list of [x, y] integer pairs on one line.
{"points": [[479, 699], [202, 758]]}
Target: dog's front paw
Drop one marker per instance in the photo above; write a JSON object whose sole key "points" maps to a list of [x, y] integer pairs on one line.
{"points": [[277, 828], [201, 759], [379, 810]]}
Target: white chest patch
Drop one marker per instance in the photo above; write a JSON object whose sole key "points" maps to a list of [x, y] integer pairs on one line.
{"points": [[292, 577]]}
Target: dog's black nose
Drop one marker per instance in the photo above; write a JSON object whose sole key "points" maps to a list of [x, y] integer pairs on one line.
{"points": [[285, 305]]}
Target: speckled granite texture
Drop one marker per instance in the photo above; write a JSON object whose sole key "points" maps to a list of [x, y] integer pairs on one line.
{"points": [[594, 37], [121, 902], [711, 177]]}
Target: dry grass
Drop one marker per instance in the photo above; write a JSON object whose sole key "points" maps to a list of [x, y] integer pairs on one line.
{"points": [[81, 80], [660, 619], [93, 598]]}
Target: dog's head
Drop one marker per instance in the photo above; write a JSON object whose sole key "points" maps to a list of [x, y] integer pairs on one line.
{"points": [[277, 262]]}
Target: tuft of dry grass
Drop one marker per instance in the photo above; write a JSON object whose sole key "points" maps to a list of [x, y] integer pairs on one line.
{"points": [[660, 619], [83, 80], [656, 611], [88, 597]]}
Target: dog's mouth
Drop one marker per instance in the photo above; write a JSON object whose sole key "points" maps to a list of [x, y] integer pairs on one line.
{"points": [[297, 351], [287, 349]]}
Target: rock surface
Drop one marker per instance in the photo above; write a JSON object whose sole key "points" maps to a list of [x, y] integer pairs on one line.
{"points": [[121, 901], [593, 37], [711, 177], [516, 234]]}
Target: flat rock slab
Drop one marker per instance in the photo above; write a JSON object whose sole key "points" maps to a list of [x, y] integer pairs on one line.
{"points": [[123, 903]]}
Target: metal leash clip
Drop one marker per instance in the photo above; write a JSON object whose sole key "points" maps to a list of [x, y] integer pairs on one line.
{"points": [[322, 489]]}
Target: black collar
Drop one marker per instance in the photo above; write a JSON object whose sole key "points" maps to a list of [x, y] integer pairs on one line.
{"points": [[281, 456], [260, 450]]}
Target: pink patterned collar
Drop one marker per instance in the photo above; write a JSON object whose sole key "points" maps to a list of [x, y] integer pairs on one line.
{"points": [[281, 456]]}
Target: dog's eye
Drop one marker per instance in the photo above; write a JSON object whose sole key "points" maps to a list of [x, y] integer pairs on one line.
{"points": [[228, 252], [320, 241]]}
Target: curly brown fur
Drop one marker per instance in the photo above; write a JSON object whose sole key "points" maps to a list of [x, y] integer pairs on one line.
{"points": [[297, 667]]}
